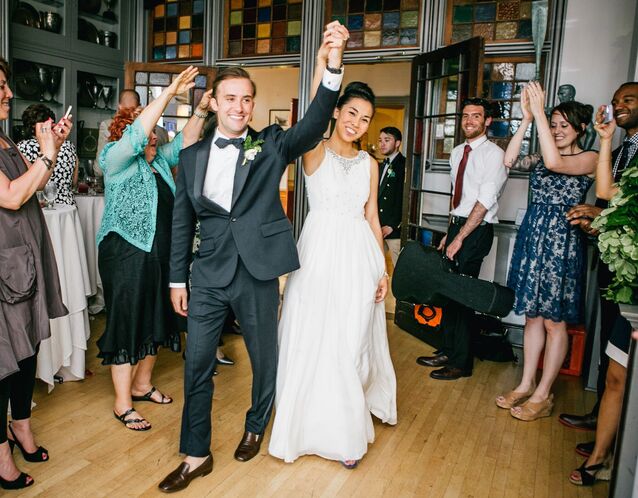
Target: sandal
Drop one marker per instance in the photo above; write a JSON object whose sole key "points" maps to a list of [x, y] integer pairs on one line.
{"points": [[589, 475], [513, 398], [349, 466], [39, 455], [147, 397], [529, 411], [22, 481], [122, 418]]}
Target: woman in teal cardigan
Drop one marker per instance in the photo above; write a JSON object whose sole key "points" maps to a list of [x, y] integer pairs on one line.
{"points": [[134, 244]]}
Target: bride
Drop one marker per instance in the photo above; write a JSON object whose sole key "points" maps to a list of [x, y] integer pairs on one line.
{"points": [[334, 363]]}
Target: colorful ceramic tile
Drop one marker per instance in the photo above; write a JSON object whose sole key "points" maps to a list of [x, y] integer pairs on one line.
{"points": [[234, 48], [159, 11], [236, 17], [526, 10], [355, 22], [410, 19], [234, 33], [294, 28], [294, 12], [506, 30], [184, 37], [374, 6], [461, 32], [356, 40], [171, 38], [525, 71], [159, 53], [391, 20], [408, 37], [248, 47], [462, 14], [293, 44], [278, 29], [339, 7], [184, 51], [372, 21], [263, 46], [263, 14], [390, 37], [391, 5], [372, 39], [508, 11], [485, 12], [171, 10], [501, 90], [250, 31], [265, 3], [236, 4], [355, 6], [171, 52], [524, 30], [502, 71], [278, 46], [486, 30], [197, 50], [250, 15], [409, 4], [279, 13], [198, 6], [263, 31], [159, 39]]}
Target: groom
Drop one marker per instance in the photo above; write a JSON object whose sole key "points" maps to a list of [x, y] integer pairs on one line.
{"points": [[229, 182]]}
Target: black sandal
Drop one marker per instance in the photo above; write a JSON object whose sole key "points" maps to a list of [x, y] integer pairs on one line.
{"points": [[147, 397], [22, 481], [122, 418], [589, 475], [39, 455]]}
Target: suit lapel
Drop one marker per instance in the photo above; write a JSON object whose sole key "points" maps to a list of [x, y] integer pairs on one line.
{"points": [[384, 182], [242, 170], [201, 165]]}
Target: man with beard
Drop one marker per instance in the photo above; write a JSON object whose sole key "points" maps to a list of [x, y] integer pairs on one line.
{"points": [[625, 104], [478, 176]]}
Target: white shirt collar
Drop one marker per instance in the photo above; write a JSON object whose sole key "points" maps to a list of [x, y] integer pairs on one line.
{"points": [[219, 134], [475, 143], [391, 157]]}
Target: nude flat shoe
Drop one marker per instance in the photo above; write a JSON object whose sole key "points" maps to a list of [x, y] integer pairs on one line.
{"points": [[513, 398], [529, 411]]}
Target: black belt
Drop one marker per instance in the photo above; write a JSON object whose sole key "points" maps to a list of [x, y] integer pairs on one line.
{"points": [[460, 220]]}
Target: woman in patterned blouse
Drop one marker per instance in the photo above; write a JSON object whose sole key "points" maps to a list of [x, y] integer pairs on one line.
{"points": [[65, 174]]}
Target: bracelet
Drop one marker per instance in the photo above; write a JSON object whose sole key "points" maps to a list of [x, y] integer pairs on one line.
{"points": [[200, 115], [47, 162]]}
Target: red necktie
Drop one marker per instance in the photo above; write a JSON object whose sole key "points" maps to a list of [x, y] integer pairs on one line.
{"points": [[458, 184]]}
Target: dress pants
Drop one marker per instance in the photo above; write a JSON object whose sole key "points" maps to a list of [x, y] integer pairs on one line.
{"points": [[255, 303], [18, 388], [457, 318]]}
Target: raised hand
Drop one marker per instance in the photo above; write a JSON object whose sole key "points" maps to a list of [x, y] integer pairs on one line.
{"points": [[337, 37], [536, 97], [48, 141], [184, 81], [61, 130], [605, 130], [204, 103], [525, 106]]}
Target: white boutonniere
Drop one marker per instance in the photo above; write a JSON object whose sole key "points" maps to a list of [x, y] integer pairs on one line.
{"points": [[251, 149], [391, 173]]}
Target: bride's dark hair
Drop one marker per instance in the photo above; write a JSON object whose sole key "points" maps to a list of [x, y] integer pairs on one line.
{"points": [[356, 90]]}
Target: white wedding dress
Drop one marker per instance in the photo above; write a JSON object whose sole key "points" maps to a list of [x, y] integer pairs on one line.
{"points": [[334, 362]]}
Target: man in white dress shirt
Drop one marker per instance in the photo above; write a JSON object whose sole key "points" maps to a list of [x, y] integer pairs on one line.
{"points": [[229, 182], [478, 176]]}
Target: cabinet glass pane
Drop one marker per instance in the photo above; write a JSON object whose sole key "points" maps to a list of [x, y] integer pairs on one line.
{"points": [[98, 22]]}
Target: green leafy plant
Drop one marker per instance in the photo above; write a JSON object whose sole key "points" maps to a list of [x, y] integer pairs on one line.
{"points": [[618, 239]]}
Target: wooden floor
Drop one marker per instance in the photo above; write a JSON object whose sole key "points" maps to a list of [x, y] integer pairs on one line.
{"points": [[451, 440]]}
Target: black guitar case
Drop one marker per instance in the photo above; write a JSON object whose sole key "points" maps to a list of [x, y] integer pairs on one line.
{"points": [[422, 275]]}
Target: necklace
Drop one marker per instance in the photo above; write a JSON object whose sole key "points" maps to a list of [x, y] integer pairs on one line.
{"points": [[346, 162]]}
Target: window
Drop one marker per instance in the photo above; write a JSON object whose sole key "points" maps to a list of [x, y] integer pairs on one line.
{"points": [[262, 27], [375, 24], [177, 30], [496, 21]]}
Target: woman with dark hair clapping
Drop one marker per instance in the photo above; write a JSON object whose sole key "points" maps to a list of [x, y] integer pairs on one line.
{"points": [[548, 264]]}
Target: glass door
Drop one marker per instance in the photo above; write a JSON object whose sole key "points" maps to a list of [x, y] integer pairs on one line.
{"points": [[440, 81]]}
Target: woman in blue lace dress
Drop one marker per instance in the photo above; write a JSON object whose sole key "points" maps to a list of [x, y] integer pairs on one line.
{"points": [[134, 244], [548, 265]]}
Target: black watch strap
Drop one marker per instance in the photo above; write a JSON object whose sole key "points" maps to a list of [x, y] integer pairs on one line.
{"points": [[332, 70], [47, 162]]}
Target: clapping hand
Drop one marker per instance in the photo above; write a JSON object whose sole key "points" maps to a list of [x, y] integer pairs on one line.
{"points": [[204, 103], [605, 130], [536, 98], [184, 81], [525, 106]]}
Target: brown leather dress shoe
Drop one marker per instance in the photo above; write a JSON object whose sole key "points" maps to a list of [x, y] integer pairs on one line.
{"points": [[449, 373], [248, 446], [439, 360], [180, 478], [585, 422]]}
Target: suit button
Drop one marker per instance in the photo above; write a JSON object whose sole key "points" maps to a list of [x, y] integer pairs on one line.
{"points": [[385, 198], [381, 210], [233, 219]]}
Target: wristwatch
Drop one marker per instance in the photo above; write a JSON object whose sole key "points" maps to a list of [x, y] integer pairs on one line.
{"points": [[47, 162], [332, 70]]}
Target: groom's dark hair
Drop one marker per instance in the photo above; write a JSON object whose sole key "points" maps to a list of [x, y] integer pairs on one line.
{"points": [[231, 73]]}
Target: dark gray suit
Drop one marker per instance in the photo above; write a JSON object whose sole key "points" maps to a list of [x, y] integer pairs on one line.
{"points": [[240, 257]]}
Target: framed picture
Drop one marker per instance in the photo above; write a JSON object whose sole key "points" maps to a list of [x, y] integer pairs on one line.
{"points": [[280, 117]]}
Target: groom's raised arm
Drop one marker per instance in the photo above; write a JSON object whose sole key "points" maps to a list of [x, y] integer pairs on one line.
{"points": [[305, 134]]}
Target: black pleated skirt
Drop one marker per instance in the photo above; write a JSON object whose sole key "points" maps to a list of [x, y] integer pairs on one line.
{"points": [[139, 315]]}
